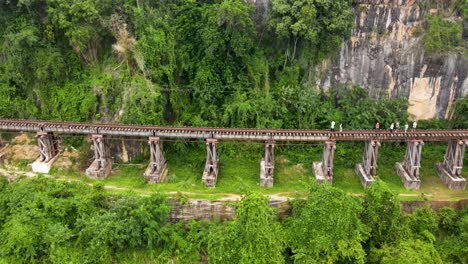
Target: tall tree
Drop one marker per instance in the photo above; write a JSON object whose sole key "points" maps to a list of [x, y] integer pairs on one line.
{"points": [[319, 27], [327, 228], [382, 214], [254, 236]]}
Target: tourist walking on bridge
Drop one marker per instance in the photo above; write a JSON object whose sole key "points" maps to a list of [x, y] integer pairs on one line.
{"points": [[397, 125], [414, 125], [332, 126], [391, 128], [377, 126], [406, 127]]}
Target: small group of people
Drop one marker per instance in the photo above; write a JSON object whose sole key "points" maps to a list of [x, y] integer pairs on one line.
{"points": [[396, 126], [332, 126], [393, 127]]}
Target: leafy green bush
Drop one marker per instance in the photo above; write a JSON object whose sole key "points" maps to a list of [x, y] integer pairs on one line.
{"points": [[253, 236], [382, 214], [442, 35], [459, 114], [327, 228]]}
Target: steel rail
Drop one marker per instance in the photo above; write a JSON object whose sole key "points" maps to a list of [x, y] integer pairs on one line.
{"points": [[227, 133]]}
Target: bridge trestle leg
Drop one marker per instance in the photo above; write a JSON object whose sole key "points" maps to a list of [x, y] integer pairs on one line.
{"points": [[323, 170], [210, 174], [157, 168], [267, 165], [48, 152], [408, 170], [367, 170], [102, 164], [450, 171], [3, 149]]}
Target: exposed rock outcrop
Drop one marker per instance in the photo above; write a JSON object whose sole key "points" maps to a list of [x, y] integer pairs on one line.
{"points": [[222, 210], [385, 55]]}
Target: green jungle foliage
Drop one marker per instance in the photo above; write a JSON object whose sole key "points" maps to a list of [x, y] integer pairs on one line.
{"points": [[442, 35], [182, 62], [459, 114], [186, 62], [49, 221]]}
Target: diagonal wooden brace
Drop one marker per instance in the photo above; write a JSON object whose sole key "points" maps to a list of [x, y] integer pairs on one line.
{"points": [[323, 171], [453, 160], [267, 165], [412, 161], [369, 161], [327, 160], [48, 146], [450, 171], [210, 174], [408, 170], [367, 170], [157, 168], [48, 152], [102, 164]]}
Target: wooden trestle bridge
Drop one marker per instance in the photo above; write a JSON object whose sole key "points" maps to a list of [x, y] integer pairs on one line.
{"points": [[449, 169]]}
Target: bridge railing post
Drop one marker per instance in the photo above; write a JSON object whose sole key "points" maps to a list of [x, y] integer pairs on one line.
{"points": [[102, 164], [267, 165], [157, 168], [408, 170], [367, 170], [48, 151], [323, 171], [450, 170], [210, 174]]}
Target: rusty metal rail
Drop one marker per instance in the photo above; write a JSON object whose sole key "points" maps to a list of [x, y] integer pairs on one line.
{"points": [[227, 133]]}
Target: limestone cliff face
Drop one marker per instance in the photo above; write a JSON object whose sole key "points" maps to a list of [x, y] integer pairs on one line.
{"points": [[385, 56]]}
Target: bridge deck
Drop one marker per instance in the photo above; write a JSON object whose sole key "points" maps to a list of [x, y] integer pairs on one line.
{"points": [[228, 133]]}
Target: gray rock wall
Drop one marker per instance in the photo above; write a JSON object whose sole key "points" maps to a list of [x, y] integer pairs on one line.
{"points": [[386, 57]]}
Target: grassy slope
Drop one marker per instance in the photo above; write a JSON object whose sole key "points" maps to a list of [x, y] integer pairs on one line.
{"points": [[239, 171]]}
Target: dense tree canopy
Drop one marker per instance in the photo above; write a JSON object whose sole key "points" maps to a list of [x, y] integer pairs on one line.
{"points": [[382, 214], [254, 236], [177, 62], [48, 221], [327, 228]]}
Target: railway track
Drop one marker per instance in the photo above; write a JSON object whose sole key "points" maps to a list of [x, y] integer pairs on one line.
{"points": [[227, 133]]}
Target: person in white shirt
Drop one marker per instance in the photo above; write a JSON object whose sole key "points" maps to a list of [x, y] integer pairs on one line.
{"points": [[341, 127], [332, 126], [391, 127], [406, 127], [414, 125]]}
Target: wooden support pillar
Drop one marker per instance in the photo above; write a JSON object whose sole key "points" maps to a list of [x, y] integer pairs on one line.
{"points": [[102, 164], [323, 170], [408, 170], [367, 170], [210, 174], [48, 146], [450, 170], [267, 165], [48, 152], [3, 149], [157, 168]]}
